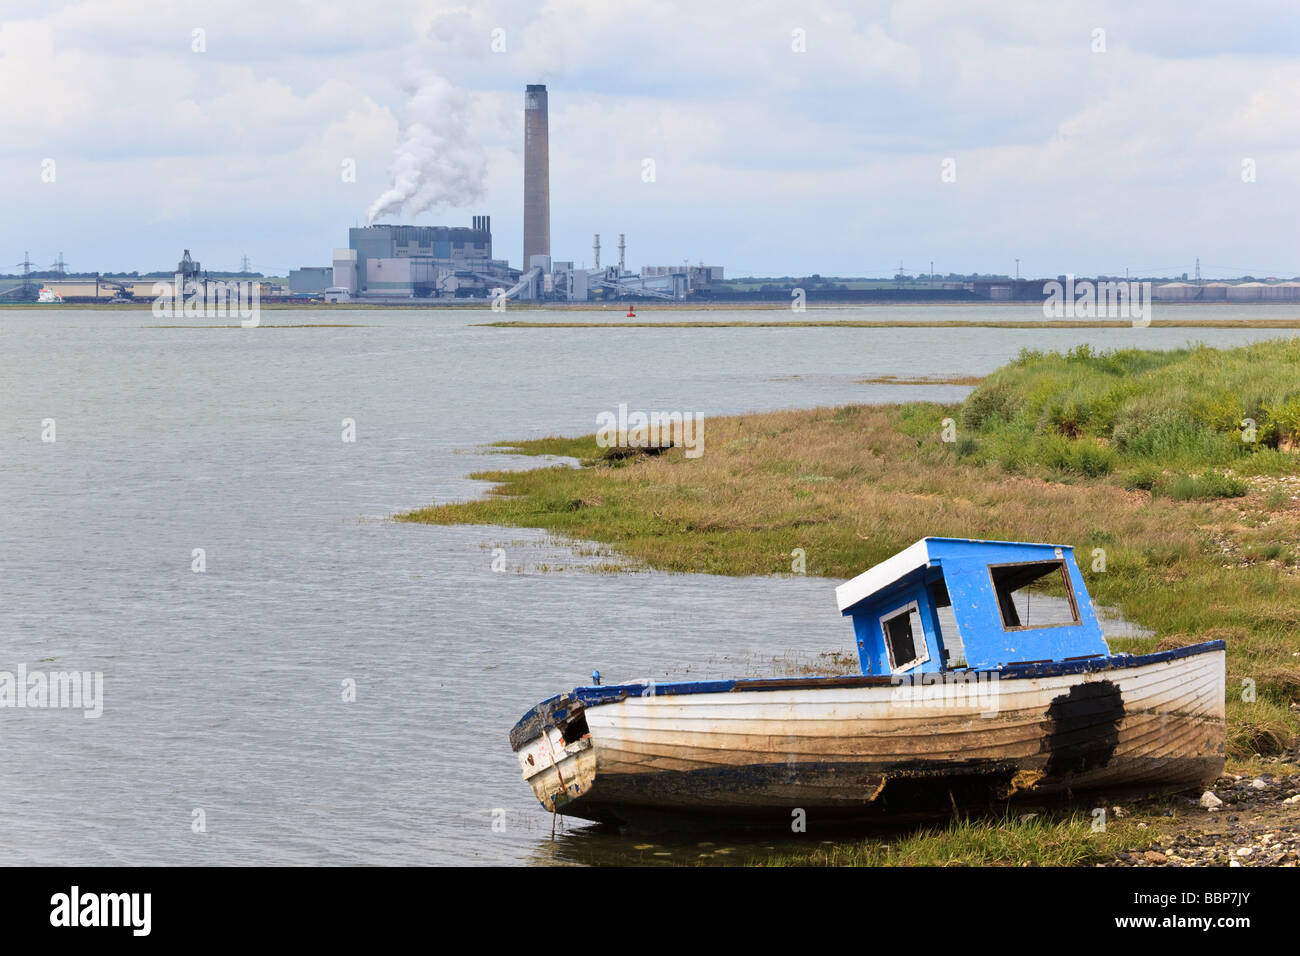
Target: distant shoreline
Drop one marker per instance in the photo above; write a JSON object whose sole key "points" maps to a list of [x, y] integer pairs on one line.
{"points": [[913, 324], [773, 305]]}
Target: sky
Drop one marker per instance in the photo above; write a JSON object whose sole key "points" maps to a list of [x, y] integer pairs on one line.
{"points": [[771, 138]]}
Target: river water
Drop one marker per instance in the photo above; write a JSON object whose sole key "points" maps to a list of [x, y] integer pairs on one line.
{"points": [[225, 737]]}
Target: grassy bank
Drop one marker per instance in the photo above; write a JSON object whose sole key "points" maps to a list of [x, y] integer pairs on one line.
{"points": [[1134, 458], [1055, 838]]}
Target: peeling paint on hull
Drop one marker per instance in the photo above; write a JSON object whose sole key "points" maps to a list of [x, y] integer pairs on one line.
{"points": [[857, 752]]}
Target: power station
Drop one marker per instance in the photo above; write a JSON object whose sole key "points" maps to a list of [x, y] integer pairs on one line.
{"points": [[402, 263]]}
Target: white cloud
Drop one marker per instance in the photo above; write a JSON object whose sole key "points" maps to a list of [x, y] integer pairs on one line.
{"points": [[767, 159]]}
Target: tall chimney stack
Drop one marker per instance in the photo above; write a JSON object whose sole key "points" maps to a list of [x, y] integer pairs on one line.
{"points": [[537, 175], [595, 251], [620, 253]]}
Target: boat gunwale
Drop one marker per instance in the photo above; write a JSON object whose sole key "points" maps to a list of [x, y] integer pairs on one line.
{"points": [[555, 710]]}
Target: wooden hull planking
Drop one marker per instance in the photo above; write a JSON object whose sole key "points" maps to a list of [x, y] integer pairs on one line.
{"points": [[875, 751]]}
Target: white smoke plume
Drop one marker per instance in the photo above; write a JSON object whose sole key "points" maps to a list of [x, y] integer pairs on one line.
{"points": [[435, 162]]}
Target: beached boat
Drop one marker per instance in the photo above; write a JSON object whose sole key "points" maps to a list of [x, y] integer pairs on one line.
{"points": [[985, 678]]}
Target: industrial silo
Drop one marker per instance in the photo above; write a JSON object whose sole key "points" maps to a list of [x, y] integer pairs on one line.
{"points": [[1246, 292], [1173, 292]]}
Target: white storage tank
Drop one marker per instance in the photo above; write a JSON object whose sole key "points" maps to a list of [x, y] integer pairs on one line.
{"points": [[1174, 292], [1246, 292], [1281, 291]]}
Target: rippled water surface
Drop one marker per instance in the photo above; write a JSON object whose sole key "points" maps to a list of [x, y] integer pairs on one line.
{"points": [[223, 691]]}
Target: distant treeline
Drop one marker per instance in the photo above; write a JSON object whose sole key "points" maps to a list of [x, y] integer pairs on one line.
{"points": [[90, 276]]}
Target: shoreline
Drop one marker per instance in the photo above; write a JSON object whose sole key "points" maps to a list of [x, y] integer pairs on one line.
{"points": [[616, 306], [1193, 551], [233, 320], [913, 324]]}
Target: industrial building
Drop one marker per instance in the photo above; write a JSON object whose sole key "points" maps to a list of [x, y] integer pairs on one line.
{"points": [[420, 262], [310, 279], [400, 263], [1227, 292], [98, 288], [699, 278]]}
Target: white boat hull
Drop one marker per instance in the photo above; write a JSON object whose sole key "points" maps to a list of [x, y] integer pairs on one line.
{"points": [[861, 747]]}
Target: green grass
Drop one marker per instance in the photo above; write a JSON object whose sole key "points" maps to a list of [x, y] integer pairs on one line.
{"points": [[583, 447], [1179, 412], [1212, 484], [1044, 839]]}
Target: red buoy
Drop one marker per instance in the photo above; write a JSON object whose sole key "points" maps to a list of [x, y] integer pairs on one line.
{"points": [[630, 313]]}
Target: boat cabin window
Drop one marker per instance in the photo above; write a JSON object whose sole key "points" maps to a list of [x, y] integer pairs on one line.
{"points": [[904, 638], [1024, 599]]}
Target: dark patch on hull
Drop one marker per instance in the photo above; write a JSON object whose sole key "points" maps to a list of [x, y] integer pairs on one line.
{"points": [[1083, 728], [765, 794], [850, 792], [928, 793]]}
